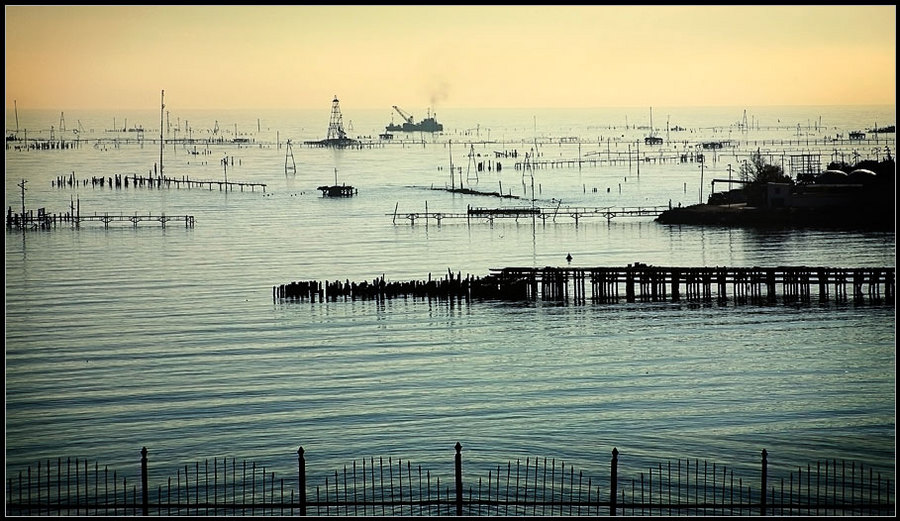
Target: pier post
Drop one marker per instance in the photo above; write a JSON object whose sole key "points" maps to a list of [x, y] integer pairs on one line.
{"points": [[145, 492], [721, 274], [613, 481], [629, 284], [770, 284], [762, 484], [301, 475], [675, 276], [822, 275], [459, 484]]}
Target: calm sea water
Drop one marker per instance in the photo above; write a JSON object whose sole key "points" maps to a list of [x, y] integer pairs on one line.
{"points": [[169, 338]]}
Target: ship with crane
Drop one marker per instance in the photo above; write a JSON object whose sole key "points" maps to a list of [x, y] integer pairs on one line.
{"points": [[429, 124]]}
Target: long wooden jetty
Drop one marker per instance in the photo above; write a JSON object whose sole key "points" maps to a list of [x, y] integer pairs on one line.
{"points": [[45, 221], [635, 283], [136, 181], [475, 214]]}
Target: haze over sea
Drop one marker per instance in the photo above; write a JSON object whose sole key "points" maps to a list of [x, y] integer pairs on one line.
{"points": [[124, 337]]}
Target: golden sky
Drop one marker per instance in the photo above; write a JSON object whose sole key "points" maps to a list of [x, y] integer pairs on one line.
{"points": [[220, 57]]}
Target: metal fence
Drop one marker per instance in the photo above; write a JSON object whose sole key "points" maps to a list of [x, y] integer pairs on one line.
{"points": [[533, 487]]}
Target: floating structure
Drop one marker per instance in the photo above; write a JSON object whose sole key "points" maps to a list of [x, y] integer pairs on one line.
{"points": [[652, 138], [336, 137], [429, 124], [640, 282], [337, 190]]}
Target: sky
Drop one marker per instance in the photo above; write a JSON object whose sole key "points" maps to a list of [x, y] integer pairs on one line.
{"points": [[301, 57]]}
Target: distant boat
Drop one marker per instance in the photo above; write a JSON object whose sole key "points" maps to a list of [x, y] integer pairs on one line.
{"points": [[428, 124]]}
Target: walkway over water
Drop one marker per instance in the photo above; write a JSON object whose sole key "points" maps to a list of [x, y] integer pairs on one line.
{"points": [[136, 181], [638, 282], [528, 212], [46, 221]]}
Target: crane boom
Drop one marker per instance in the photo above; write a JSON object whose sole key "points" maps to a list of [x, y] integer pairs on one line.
{"points": [[406, 117]]}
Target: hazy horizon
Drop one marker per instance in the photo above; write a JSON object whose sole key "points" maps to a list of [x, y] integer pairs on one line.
{"points": [[373, 57], [326, 107]]}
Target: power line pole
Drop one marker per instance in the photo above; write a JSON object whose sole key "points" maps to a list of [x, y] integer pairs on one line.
{"points": [[162, 106], [22, 186]]}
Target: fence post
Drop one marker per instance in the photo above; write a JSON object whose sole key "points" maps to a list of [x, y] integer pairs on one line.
{"points": [[613, 481], [301, 472], [459, 486], [762, 498], [145, 493]]}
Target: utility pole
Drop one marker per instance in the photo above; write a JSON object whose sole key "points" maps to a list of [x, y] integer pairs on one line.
{"points": [[452, 178], [22, 186], [702, 162], [162, 106]]}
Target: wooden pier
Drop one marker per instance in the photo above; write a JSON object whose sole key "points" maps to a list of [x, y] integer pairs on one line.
{"points": [[634, 283], [136, 181], [476, 214], [640, 282], [45, 221]]}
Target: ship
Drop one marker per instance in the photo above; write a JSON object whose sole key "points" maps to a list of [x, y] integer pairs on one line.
{"points": [[429, 124]]}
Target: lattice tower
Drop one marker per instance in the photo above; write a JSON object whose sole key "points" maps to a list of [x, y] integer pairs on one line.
{"points": [[336, 125]]}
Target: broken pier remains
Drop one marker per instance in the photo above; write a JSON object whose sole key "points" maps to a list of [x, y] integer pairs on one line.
{"points": [[638, 282]]}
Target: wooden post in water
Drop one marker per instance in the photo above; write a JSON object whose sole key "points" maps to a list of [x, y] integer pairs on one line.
{"points": [[770, 284], [301, 475], [762, 484], [162, 106], [675, 294], [459, 484], [722, 288], [145, 492], [613, 481], [629, 284]]}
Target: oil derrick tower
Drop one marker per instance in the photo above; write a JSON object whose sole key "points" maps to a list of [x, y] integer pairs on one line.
{"points": [[336, 125], [336, 135]]}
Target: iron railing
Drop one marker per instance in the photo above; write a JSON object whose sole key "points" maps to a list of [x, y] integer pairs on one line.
{"points": [[535, 487]]}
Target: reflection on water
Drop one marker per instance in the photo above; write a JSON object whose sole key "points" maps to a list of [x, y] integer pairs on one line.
{"points": [[168, 338]]}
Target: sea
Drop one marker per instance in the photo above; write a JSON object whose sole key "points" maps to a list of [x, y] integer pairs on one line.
{"points": [[122, 337]]}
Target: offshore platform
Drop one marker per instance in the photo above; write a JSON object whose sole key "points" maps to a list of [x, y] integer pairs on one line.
{"points": [[336, 136], [429, 124]]}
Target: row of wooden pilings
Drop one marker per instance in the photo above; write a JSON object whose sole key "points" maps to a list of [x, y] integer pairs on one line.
{"points": [[42, 219], [789, 284], [152, 181], [449, 287]]}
